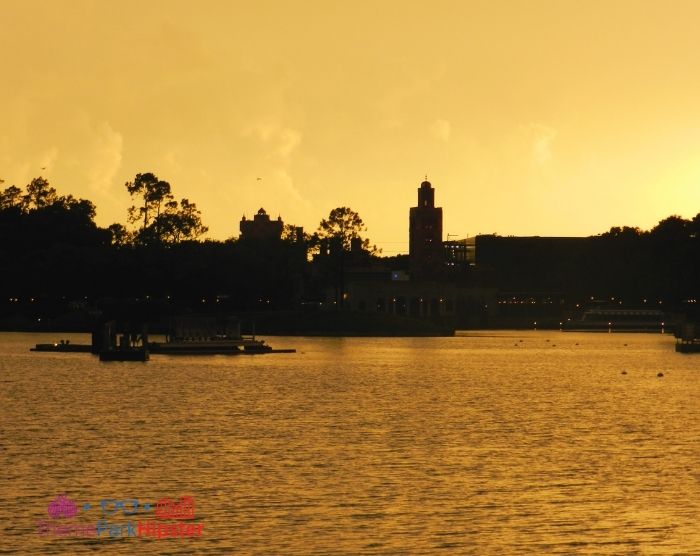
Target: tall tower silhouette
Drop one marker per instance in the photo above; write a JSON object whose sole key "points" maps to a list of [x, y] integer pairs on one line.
{"points": [[425, 234]]}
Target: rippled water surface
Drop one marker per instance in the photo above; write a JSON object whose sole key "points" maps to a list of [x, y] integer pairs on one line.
{"points": [[502, 443]]}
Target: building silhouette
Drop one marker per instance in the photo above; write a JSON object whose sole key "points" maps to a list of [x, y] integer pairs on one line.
{"points": [[426, 252], [436, 287], [261, 227]]}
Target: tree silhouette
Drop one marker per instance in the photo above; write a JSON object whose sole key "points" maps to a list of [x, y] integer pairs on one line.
{"points": [[81, 207], [163, 220], [341, 227], [120, 235], [39, 194], [42, 198], [152, 194], [673, 228], [11, 198], [181, 223], [337, 233]]}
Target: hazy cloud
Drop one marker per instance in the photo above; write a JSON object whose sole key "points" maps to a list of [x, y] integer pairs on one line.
{"points": [[104, 158], [542, 143], [289, 139], [286, 185], [171, 160], [441, 129], [282, 140]]}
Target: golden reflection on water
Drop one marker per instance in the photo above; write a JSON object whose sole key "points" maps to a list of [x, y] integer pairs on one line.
{"points": [[478, 444]]}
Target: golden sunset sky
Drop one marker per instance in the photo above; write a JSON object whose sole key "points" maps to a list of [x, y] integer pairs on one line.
{"points": [[529, 117]]}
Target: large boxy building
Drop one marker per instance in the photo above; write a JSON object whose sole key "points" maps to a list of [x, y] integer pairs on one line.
{"points": [[539, 263]]}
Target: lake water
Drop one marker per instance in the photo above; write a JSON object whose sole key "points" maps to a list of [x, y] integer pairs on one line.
{"points": [[488, 443]]}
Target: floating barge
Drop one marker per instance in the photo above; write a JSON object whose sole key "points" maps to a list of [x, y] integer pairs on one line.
{"points": [[208, 336], [64, 346], [121, 347], [187, 336], [215, 346], [688, 347]]}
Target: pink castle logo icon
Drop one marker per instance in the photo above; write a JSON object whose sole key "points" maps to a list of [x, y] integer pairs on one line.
{"points": [[62, 506]]}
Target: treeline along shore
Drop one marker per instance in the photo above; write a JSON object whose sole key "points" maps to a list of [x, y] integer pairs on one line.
{"points": [[61, 271]]}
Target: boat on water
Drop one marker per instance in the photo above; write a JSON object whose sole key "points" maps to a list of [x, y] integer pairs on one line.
{"points": [[210, 336], [214, 346], [616, 319]]}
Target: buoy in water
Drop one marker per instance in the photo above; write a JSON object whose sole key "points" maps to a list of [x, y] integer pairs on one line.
{"points": [[660, 374], [624, 372]]}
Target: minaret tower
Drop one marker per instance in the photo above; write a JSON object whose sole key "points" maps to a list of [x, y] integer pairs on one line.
{"points": [[425, 234]]}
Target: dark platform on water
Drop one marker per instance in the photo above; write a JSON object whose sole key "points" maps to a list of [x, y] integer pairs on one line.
{"points": [[222, 352], [238, 346], [688, 347], [63, 348], [189, 336], [160, 349]]}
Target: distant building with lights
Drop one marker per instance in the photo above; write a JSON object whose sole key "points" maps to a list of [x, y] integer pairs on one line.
{"points": [[459, 254]]}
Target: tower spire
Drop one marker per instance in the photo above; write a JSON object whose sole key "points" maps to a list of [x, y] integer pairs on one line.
{"points": [[425, 233]]}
